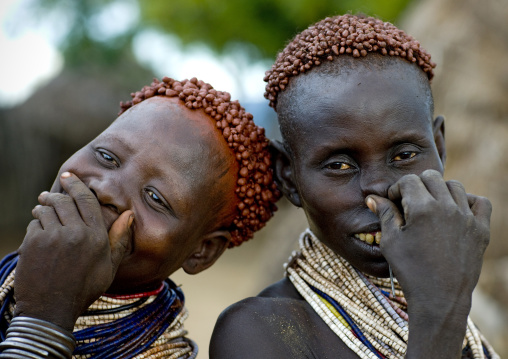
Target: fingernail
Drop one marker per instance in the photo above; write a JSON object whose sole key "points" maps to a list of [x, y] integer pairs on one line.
{"points": [[371, 204], [66, 174], [44, 193], [131, 219]]}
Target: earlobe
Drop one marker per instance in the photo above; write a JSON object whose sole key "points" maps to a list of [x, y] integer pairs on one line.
{"points": [[208, 250], [439, 137], [284, 172]]}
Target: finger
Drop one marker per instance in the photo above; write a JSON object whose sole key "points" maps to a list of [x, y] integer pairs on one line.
{"points": [[480, 206], [46, 216], [34, 225], [120, 236], [436, 185], [387, 211], [87, 204], [408, 190], [64, 206], [459, 194], [406, 186]]}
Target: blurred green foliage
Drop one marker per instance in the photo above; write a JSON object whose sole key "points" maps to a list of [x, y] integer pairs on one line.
{"points": [[267, 24], [260, 27]]}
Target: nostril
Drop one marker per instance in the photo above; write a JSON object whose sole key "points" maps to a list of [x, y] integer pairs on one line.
{"points": [[113, 207], [102, 201], [94, 193]]}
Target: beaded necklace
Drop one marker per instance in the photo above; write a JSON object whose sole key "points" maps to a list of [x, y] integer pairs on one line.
{"points": [[142, 325], [360, 309]]}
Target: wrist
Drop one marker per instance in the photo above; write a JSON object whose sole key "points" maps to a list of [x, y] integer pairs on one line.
{"points": [[436, 329], [436, 307], [35, 338], [56, 316]]}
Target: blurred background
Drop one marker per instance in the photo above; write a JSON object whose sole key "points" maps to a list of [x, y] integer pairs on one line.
{"points": [[66, 64]]}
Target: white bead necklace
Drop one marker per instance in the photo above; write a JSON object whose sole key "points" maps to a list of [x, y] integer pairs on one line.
{"points": [[323, 277]]}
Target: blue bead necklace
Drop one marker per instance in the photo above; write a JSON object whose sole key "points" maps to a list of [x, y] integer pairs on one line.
{"points": [[122, 338]]}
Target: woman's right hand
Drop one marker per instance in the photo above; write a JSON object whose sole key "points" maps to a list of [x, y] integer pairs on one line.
{"points": [[434, 236], [67, 259]]}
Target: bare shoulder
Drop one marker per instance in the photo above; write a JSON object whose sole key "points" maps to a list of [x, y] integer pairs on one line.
{"points": [[277, 323], [259, 327]]}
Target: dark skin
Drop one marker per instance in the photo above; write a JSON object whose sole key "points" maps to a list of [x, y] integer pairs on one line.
{"points": [[365, 155], [154, 192]]}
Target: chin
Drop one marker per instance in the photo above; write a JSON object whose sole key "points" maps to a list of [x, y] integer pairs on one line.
{"points": [[380, 270]]}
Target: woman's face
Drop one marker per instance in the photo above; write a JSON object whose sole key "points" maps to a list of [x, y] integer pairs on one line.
{"points": [[354, 134], [173, 169]]}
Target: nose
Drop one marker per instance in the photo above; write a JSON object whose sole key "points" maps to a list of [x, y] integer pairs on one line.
{"points": [[109, 193], [376, 181]]}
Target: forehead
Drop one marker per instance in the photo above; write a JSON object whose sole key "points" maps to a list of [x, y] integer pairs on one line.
{"points": [[178, 147], [165, 127], [365, 98]]}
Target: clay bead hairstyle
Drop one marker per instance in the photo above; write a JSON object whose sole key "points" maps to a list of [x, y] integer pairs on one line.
{"points": [[352, 35], [255, 187]]}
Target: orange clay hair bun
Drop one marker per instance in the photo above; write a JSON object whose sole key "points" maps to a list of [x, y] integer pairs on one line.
{"points": [[352, 35], [255, 187]]}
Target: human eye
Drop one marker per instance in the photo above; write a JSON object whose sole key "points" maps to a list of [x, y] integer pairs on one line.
{"points": [[338, 166], [406, 155], [155, 197], [107, 158]]}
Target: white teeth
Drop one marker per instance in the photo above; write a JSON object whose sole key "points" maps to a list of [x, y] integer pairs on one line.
{"points": [[369, 238]]}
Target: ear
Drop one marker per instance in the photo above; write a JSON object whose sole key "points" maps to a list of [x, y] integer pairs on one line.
{"points": [[284, 172], [439, 137], [208, 250]]}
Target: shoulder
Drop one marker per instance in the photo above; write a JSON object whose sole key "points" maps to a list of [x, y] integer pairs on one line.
{"points": [[252, 327], [278, 323]]}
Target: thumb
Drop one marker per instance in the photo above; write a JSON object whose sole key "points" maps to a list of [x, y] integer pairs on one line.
{"points": [[120, 237], [386, 210]]}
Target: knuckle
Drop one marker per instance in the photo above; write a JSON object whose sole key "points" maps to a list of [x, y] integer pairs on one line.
{"points": [[456, 184], [430, 173], [33, 226], [40, 211], [486, 202], [421, 207], [408, 178]]}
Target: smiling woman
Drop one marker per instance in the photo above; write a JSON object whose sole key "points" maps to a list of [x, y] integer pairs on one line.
{"points": [[363, 156], [182, 174]]}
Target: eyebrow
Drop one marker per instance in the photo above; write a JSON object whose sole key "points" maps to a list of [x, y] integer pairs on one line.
{"points": [[332, 147], [125, 145]]}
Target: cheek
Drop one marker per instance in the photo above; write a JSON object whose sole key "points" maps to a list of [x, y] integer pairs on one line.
{"points": [[152, 237], [163, 239], [325, 195]]}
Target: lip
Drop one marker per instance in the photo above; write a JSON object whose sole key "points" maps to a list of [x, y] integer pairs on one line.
{"points": [[370, 228], [373, 249]]}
